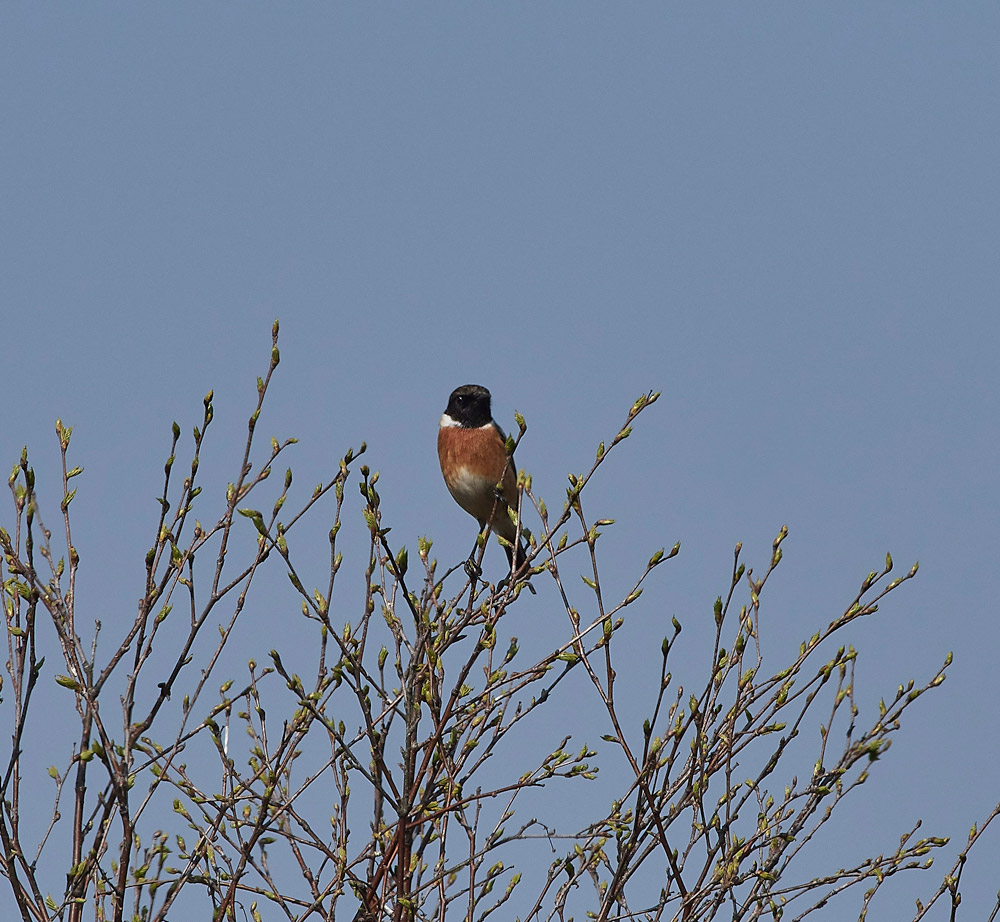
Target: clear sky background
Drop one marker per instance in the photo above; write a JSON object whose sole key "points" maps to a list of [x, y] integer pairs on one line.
{"points": [[786, 217]]}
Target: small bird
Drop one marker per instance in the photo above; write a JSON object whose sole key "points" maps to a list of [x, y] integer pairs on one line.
{"points": [[473, 454]]}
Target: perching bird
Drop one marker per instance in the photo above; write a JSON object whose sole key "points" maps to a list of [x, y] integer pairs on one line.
{"points": [[473, 454]]}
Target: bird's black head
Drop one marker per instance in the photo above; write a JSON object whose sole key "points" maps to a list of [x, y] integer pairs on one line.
{"points": [[469, 406]]}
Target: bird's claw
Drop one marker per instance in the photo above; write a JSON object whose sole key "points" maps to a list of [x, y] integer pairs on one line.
{"points": [[507, 581], [472, 569]]}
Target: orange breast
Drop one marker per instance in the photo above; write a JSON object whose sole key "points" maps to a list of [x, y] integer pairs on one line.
{"points": [[473, 462]]}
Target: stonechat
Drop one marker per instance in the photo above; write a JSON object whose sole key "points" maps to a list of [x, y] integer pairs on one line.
{"points": [[479, 473]]}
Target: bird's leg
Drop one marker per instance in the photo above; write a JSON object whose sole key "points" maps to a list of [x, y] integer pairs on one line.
{"points": [[512, 577], [472, 568]]}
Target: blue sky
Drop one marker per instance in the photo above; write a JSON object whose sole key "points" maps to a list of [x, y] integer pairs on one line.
{"points": [[785, 217]]}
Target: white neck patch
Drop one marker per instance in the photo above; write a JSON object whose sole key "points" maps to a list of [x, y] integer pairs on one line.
{"points": [[449, 422]]}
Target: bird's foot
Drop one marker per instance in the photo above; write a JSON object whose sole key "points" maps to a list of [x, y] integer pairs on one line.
{"points": [[472, 569], [506, 581]]}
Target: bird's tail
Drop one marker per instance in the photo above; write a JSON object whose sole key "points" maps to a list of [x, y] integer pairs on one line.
{"points": [[516, 556]]}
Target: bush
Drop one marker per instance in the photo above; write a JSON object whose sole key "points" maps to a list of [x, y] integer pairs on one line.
{"points": [[371, 786]]}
